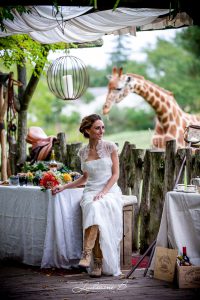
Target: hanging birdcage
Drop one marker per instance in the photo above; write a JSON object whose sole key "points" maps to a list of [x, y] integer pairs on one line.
{"points": [[67, 78]]}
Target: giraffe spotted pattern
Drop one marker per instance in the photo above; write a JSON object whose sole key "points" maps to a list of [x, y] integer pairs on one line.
{"points": [[171, 120]]}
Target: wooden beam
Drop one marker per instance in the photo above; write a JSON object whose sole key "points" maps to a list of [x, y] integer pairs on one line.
{"points": [[190, 7], [103, 5]]}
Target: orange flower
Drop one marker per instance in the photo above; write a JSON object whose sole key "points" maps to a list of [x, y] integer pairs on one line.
{"points": [[48, 181]]}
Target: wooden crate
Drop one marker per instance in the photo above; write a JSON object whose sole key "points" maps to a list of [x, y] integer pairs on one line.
{"points": [[188, 276], [165, 263]]}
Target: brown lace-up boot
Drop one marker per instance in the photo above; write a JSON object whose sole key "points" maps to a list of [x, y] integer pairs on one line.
{"points": [[89, 242], [97, 270], [85, 259]]}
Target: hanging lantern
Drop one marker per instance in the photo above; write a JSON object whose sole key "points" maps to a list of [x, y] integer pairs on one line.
{"points": [[67, 78]]}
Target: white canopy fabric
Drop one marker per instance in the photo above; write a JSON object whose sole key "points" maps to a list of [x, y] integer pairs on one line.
{"points": [[72, 25]]}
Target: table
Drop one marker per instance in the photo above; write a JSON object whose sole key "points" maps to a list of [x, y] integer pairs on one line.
{"points": [[180, 224], [39, 229]]}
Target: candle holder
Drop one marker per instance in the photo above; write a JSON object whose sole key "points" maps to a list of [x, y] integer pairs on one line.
{"points": [[67, 78]]}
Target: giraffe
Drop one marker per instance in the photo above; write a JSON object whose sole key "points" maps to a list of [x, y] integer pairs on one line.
{"points": [[171, 120]]}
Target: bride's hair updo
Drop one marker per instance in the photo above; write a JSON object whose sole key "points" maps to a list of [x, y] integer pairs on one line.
{"points": [[87, 123]]}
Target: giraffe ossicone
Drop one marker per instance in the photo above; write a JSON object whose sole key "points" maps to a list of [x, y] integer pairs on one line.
{"points": [[171, 120]]}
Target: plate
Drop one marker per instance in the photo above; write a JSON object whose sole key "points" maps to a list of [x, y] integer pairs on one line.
{"points": [[182, 191]]}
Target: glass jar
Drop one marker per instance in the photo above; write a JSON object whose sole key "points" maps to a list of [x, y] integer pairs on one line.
{"points": [[14, 180]]}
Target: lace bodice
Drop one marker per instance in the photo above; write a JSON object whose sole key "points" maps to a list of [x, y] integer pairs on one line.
{"points": [[104, 149]]}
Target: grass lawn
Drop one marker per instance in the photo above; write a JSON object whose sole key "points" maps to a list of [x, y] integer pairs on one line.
{"points": [[142, 138]]}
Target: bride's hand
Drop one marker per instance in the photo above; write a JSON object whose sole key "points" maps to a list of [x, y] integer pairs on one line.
{"points": [[100, 195], [57, 189]]}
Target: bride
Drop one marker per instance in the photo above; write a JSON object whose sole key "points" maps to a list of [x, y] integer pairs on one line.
{"points": [[101, 203]]}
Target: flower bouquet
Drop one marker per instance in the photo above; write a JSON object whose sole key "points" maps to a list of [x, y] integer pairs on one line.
{"points": [[49, 180]]}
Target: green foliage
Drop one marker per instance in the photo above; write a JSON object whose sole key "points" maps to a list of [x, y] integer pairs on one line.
{"points": [[87, 97], [49, 112], [37, 166], [189, 39], [173, 68], [97, 77], [17, 49], [123, 119]]}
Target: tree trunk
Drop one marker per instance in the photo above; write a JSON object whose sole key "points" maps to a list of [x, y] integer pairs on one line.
{"points": [[22, 132], [22, 116], [25, 94]]}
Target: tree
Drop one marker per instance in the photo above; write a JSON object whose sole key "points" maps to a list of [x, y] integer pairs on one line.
{"points": [[120, 55], [174, 68], [189, 39], [19, 50]]}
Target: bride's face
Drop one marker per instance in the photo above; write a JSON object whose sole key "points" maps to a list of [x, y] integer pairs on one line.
{"points": [[97, 130]]}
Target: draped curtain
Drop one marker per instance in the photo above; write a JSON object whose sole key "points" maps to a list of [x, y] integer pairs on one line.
{"points": [[76, 24]]}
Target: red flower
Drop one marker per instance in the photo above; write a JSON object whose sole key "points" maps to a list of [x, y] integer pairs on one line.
{"points": [[48, 181]]}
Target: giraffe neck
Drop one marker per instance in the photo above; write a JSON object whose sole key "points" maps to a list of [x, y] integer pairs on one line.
{"points": [[161, 101]]}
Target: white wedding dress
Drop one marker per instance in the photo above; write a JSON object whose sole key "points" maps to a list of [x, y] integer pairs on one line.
{"points": [[106, 212]]}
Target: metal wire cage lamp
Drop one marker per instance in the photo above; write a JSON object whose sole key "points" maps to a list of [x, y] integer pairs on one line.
{"points": [[67, 77]]}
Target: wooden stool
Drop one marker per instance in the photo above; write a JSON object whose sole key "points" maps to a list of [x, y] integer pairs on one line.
{"points": [[126, 244]]}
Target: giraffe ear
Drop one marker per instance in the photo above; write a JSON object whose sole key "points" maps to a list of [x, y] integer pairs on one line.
{"points": [[114, 70], [120, 71]]}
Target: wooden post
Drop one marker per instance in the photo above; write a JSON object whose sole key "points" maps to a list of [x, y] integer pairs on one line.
{"points": [[125, 166], [169, 176], [136, 170], [152, 197], [180, 154], [135, 183], [60, 147], [72, 160], [145, 204], [189, 164], [196, 169], [157, 161]]}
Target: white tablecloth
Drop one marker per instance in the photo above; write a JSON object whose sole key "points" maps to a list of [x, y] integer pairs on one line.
{"points": [[180, 224], [40, 229]]}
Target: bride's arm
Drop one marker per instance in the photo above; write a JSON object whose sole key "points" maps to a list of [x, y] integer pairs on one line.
{"points": [[113, 179], [80, 181]]}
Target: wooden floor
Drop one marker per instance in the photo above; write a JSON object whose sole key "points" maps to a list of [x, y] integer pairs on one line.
{"points": [[22, 282]]}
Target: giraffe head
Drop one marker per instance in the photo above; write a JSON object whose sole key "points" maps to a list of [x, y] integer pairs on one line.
{"points": [[118, 88]]}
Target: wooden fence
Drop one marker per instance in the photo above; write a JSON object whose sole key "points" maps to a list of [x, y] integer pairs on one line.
{"points": [[148, 174], [145, 173]]}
